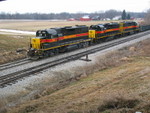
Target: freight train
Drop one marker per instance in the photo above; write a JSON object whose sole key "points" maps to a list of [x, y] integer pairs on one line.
{"points": [[52, 41]]}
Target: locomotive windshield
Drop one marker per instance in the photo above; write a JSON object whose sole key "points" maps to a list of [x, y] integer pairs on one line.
{"points": [[42, 34], [97, 27], [46, 34]]}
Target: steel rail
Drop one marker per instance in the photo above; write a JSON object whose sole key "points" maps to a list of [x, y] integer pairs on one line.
{"points": [[8, 79], [14, 64]]}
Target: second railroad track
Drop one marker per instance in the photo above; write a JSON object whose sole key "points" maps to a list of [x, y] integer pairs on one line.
{"points": [[12, 77]]}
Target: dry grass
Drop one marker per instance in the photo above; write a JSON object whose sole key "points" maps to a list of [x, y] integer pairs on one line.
{"points": [[36, 25], [118, 84], [118, 103], [100, 91], [13, 42], [9, 44]]}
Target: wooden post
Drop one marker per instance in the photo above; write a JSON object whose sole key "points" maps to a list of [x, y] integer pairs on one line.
{"points": [[86, 58]]}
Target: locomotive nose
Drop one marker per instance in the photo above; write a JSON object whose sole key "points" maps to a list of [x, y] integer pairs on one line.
{"points": [[35, 42]]}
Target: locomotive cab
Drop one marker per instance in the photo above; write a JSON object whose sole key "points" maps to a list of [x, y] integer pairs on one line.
{"points": [[96, 30], [35, 44], [42, 35], [36, 41]]}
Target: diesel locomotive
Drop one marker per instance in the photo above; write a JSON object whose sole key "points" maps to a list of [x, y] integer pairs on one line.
{"points": [[52, 41]]}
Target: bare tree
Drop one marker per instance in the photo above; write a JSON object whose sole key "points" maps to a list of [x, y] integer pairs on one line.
{"points": [[111, 13], [147, 17]]}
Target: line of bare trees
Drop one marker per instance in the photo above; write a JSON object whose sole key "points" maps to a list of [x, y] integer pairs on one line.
{"points": [[65, 15], [147, 17]]}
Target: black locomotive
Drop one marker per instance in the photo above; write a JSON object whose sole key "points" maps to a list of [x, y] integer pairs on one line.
{"points": [[52, 41]]}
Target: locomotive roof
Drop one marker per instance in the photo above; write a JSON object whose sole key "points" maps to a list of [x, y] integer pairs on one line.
{"points": [[58, 30], [49, 31], [100, 25], [129, 22], [112, 23]]}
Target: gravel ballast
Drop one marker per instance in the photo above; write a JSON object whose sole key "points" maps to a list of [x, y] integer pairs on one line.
{"points": [[25, 84]]}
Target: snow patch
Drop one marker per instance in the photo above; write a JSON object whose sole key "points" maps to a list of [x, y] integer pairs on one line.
{"points": [[17, 31]]}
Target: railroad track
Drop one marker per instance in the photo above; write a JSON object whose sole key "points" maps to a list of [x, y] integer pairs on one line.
{"points": [[12, 77], [14, 64]]}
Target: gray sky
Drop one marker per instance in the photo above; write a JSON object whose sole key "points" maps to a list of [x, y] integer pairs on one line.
{"points": [[72, 6]]}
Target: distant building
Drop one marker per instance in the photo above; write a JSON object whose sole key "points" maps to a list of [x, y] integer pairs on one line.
{"points": [[85, 18], [117, 18], [96, 18], [71, 19], [106, 19]]}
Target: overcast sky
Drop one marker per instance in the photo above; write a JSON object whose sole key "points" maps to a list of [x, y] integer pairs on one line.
{"points": [[72, 6]]}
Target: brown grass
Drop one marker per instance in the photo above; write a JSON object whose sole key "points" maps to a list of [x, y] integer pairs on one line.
{"points": [[95, 92], [118, 103], [9, 44], [117, 84], [36, 25], [13, 42]]}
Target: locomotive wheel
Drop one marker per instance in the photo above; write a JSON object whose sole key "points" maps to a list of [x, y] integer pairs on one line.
{"points": [[51, 53], [99, 41], [56, 51], [48, 54], [79, 45], [85, 44]]}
